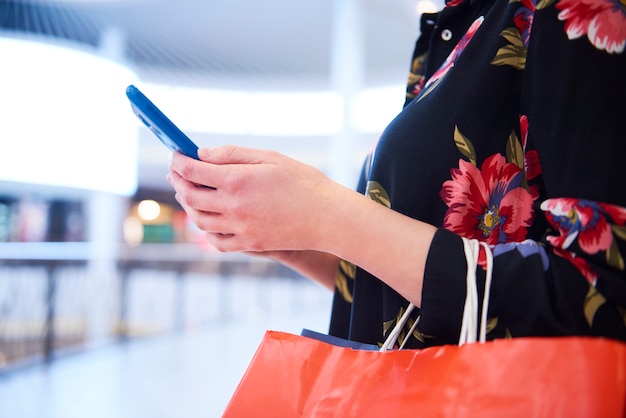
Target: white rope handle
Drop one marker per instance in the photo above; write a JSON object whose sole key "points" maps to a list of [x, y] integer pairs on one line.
{"points": [[469, 323], [408, 335], [395, 332], [488, 277]]}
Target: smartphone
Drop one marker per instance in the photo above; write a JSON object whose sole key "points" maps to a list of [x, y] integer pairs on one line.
{"points": [[159, 124]]}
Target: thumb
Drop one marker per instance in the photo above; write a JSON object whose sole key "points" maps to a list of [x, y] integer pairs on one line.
{"points": [[232, 154]]}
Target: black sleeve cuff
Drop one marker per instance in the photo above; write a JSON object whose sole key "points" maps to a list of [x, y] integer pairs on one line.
{"points": [[443, 293]]}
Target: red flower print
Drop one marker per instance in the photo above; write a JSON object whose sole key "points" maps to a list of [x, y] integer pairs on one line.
{"points": [[417, 87], [523, 19], [455, 54], [582, 220], [488, 204], [531, 158], [603, 21], [581, 265]]}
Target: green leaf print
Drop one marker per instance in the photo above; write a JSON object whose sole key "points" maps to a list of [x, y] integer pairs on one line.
{"points": [[464, 145], [513, 54]]}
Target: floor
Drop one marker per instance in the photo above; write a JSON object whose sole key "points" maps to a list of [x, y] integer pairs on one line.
{"points": [[184, 375]]}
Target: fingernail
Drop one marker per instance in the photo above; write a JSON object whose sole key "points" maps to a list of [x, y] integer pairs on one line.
{"points": [[204, 152]]}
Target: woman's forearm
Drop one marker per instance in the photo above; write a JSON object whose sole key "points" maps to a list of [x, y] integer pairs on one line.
{"points": [[317, 266], [389, 245]]}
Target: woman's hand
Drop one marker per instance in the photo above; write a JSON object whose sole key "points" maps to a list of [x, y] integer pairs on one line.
{"points": [[258, 200], [262, 201]]}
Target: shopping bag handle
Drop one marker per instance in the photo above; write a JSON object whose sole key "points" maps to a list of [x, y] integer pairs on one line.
{"points": [[470, 323]]}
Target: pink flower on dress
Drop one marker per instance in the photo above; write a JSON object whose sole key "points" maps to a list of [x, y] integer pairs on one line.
{"points": [[523, 19], [581, 265], [582, 220], [418, 87], [455, 54], [531, 158], [489, 204], [603, 21]]}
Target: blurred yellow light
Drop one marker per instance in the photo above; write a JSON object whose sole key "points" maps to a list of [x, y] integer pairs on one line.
{"points": [[148, 210]]}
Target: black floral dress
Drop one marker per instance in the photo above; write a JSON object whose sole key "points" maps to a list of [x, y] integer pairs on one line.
{"points": [[513, 133]]}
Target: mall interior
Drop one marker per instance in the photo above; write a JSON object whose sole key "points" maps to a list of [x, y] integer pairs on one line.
{"points": [[112, 303]]}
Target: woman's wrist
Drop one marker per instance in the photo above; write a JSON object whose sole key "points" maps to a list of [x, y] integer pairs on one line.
{"points": [[318, 266], [391, 246]]}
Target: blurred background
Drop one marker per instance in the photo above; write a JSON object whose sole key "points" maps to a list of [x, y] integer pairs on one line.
{"points": [[111, 301]]}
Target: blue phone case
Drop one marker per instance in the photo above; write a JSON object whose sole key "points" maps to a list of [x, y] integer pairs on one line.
{"points": [[160, 124]]}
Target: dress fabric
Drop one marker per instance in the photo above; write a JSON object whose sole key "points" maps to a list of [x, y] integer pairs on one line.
{"points": [[512, 133]]}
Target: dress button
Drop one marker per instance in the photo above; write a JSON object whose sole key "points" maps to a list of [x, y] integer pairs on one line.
{"points": [[446, 34]]}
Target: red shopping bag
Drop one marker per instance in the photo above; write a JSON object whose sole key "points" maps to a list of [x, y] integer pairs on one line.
{"points": [[295, 376]]}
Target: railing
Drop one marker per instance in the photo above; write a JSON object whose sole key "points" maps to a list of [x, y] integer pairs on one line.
{"points": [[60, 296]]}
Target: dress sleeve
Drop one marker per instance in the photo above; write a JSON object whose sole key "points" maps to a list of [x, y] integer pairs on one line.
{"points": [[568, 278]]}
